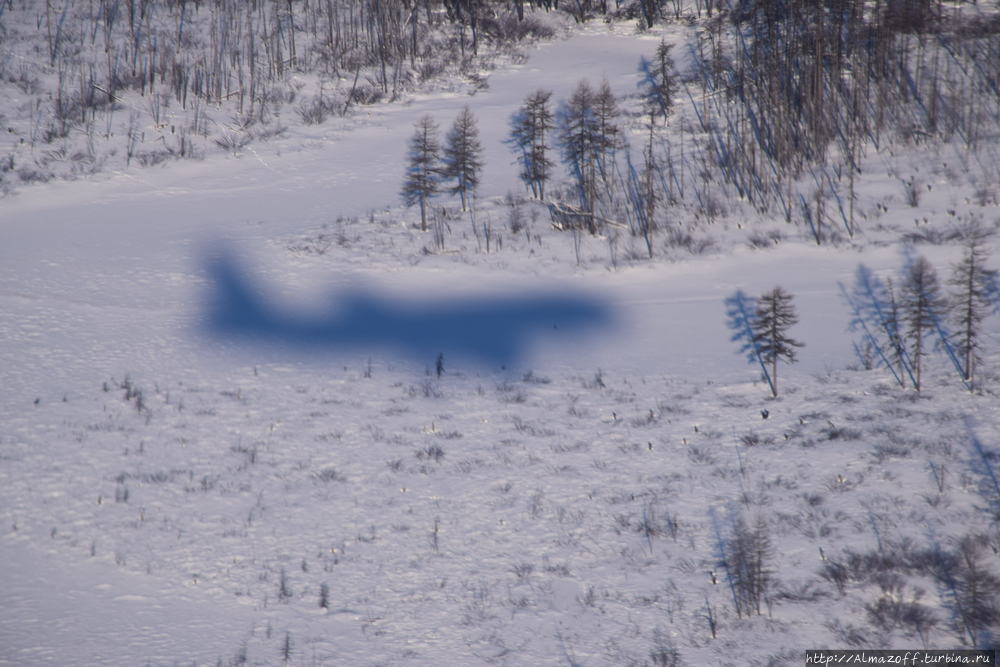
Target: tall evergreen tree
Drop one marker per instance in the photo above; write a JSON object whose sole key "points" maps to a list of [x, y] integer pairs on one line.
{"points": [[657, 81], [519, 142], [973, 284], [541, 123], [529, 127], [589, 137], [607, 134], [922, 307], [463, 156], [657, 87], [577, 141], [775, 315], [423, 172]]}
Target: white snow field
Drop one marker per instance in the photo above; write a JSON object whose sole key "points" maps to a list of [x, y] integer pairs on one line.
{"points": [[171, 500]]}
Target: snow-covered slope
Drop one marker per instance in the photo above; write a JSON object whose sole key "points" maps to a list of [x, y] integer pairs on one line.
{"points": [[567, 511]]}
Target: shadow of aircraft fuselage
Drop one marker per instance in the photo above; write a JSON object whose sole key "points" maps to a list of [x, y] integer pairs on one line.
{"points": [[490, 331]]}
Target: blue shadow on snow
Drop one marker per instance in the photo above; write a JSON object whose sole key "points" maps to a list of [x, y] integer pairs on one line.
{"points": [[488, 331]]}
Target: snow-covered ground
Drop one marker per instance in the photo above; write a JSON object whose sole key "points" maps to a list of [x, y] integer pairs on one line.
{"points": [[570, 515]]}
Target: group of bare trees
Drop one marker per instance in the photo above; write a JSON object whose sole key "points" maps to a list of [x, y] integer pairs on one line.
{"points": [[165, 74], [806, 89], [586, 130], [788, 98], [747, 557], [589, 132], [902, 322], [432, 166], [588, 136], [589, 139]]}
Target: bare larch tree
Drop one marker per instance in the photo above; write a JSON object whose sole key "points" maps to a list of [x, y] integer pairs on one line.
{"points": [[463, 156], [972, 288], [921, 306], [775, 315], [423, 172]]}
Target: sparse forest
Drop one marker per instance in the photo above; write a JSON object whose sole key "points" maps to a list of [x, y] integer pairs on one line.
{"points": [[764, 122], [786, 105], [111, 81], [736, 189]]}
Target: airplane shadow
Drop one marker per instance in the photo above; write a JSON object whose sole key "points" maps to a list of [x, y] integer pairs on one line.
{"points": [[490, 331]]}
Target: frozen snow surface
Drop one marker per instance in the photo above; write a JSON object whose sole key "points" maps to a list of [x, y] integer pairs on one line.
{"points": [[170, 499]]}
